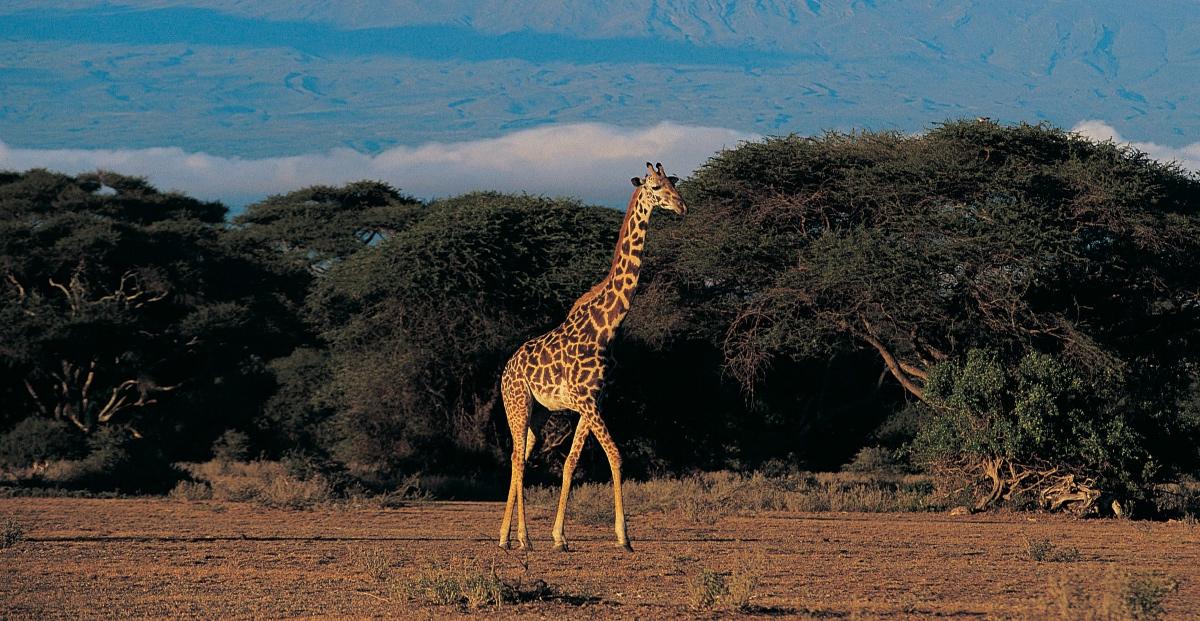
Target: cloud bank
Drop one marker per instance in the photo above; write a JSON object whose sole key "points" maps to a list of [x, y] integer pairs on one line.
{"points": [[587, 160], [1187, 156]]}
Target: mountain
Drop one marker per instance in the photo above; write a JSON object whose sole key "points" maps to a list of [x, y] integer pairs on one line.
{"points": [[254, 79]]}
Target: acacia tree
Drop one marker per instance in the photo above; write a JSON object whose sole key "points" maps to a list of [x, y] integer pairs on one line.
{"points": [[420, 325], [921, 248], [125, 307], [318, 225]]}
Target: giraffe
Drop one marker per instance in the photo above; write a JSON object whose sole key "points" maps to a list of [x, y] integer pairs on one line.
{"points": [[564, 369]]}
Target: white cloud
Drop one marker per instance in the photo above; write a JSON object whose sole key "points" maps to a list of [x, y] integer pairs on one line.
{"points": [[1187, 156], [588, 160]]}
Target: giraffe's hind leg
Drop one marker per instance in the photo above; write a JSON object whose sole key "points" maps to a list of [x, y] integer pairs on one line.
{"points": [[517, 404], [581, 434]]}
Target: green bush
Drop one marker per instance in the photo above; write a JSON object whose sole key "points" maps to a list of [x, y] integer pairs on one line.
{"points": [[1038, 425]]}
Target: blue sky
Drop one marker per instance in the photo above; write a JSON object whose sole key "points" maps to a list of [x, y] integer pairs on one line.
{"points": [[234, 99]]}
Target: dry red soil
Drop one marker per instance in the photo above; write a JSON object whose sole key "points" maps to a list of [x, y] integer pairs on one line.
{"points": [[160, 558]]}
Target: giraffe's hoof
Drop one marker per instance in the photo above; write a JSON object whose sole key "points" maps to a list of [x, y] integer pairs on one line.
{"points": [[504, 545], [560, 546], [524, 545], [625, 545]]}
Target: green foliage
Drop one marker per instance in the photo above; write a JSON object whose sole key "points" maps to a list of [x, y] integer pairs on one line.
{"points": [[1030, 292], [906, 250], [295, 417], [420, 324], [972, 235], [318, 225], [129, 307], [1038, 412]]}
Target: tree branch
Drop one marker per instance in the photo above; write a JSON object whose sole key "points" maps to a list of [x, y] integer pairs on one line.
{"points": [[892, 364]]}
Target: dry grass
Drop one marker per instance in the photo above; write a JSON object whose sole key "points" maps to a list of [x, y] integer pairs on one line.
{"points": [[708, 497], [154, 558], [1121, 595], [374, 563], [272, 484], [458, 584], [472, 585], [264, 482]]}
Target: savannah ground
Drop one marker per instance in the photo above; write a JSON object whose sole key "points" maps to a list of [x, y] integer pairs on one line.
{"points": [[154, 558]]}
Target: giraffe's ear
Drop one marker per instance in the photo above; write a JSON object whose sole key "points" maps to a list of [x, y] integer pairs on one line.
{"points": [[636, 181], [673, 180]]}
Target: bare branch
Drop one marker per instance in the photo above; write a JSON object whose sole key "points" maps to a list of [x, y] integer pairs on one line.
{"points": [[892, 364], [36, 399], [20, 290]]}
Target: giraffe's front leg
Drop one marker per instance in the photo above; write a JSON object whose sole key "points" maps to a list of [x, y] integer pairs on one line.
{"points": [[581, 434], [614, 463]]}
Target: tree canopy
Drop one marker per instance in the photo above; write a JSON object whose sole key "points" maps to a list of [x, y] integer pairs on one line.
{"points": [[1013, 303]]}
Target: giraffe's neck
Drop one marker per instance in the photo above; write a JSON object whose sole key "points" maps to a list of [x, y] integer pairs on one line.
{"points": [[608, 302]]}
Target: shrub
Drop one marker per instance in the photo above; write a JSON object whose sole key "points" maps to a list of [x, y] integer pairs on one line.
{"points": [[421, 324], [709, 589], [876, 459], [1042, 549], [233, 445], [266, 483], [191, 490], [1039, 430], [11, 533], [459, 586], [38, 440], [1121, 595]]}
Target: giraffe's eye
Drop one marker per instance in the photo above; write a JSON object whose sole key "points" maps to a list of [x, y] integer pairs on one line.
{"points": [[657, 187]]}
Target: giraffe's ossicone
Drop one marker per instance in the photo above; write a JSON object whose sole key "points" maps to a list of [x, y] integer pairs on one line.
{"points": [[564, 369]]}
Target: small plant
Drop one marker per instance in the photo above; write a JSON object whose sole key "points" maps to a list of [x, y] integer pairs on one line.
{"points": [[742, 583], [1042, 549], [481, 589], [11, 533], [457, 586], [711, 589], [705, 589], [374, 562]]}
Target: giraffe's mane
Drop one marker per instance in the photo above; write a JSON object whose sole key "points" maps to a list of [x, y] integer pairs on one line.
{"points": [[598, 287]]}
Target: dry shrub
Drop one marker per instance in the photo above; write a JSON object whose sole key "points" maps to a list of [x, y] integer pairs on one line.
{"points": [[191, 490], [11, 533], [709, 589], [458, 584], [1122, 595], [705, 589], [1042, 549], [265, 482]]}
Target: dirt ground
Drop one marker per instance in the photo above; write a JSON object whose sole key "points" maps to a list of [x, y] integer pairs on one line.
{"points": [[159, 558]]}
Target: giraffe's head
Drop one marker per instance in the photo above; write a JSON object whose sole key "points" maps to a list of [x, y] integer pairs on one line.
{"points": [[659, 189]]}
